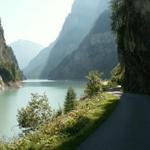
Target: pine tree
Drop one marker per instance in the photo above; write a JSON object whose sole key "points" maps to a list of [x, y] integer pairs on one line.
{"points": [[69, 100]]}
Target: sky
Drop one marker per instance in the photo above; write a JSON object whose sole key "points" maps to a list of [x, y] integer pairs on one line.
{"points": [[38, 21]]}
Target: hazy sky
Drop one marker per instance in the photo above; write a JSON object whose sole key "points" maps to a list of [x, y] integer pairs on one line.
{"points": [[35, 20]]}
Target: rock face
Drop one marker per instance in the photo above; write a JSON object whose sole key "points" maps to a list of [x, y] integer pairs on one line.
{"points": [[9, 70], [98, 51], [1, 84], [134, 44], [77, 25]]}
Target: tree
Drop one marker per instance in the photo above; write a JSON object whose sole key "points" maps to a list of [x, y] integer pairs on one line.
{"points": [[117, 75], [69, 103], [94, 84], [35, 113]]}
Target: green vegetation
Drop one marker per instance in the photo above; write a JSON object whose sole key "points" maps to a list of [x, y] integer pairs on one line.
{"points": [[118, 28], [9, 70], [67, 131], [58, 131], [116, 76], [37, 112], [94, 84], [70, 100], [118, 21]]}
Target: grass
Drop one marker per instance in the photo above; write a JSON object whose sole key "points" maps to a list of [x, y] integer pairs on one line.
{"points": [[97, 110], [66, 132]]}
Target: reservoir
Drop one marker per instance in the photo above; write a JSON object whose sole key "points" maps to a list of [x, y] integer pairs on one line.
{"points": [[13, 99]]}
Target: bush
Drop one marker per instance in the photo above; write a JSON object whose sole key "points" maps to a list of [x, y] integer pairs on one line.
{"points": [[58, 113], [35, 113], [67, 131], [94, 84], [116, 76], [70, 100]]}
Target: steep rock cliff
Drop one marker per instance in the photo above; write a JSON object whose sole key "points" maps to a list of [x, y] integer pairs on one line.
{"points": [[97, 52], [77, 25], [9, 70], [131, 22]]}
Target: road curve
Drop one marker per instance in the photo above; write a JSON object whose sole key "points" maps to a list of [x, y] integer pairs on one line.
{"points": [[128, 128]]}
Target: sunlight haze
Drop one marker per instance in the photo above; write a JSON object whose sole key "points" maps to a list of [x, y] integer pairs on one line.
{"points": [[35, 20]]}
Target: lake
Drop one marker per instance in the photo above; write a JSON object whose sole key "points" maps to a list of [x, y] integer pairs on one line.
{"points": [[13, 99]]}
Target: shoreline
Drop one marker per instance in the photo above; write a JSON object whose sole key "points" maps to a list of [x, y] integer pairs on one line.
{"points": [[5, 86]]}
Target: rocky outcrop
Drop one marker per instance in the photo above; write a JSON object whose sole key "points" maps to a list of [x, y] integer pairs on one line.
{"points": [[132, 25], [9, 70], [98, 51], [2, 85]]}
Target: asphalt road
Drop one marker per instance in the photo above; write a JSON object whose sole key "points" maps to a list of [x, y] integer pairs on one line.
{"points": [[128, 128]]}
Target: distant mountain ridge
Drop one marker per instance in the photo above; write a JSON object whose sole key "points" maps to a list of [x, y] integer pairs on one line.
{"points": [[97, 52], [77, 25], [9, 69], [36, 65], [25, 51]]}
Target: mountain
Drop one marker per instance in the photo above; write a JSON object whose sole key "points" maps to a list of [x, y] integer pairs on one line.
{"points": [[25, 51], [9, 69], [77, 25], [132, 27], [36, 65], [97, 52]]}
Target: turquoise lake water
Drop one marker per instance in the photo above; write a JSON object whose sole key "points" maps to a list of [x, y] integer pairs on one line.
{"points": [[13, 99]]}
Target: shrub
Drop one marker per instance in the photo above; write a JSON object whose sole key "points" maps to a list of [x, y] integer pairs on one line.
{"points": [[35, 113], [74, 125], [117, 76], [94, 84], [58, 113], [70, 100]]}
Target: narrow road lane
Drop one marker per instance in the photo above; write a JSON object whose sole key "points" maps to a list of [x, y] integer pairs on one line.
{"points": [[128, 128]]}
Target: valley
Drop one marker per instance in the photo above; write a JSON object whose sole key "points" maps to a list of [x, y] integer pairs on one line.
{"points": [[84, 84]]}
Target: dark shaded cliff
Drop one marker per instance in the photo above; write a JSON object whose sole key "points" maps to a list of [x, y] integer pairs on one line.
{"points": [[97, 52], [9, 70], [131, 23]]}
